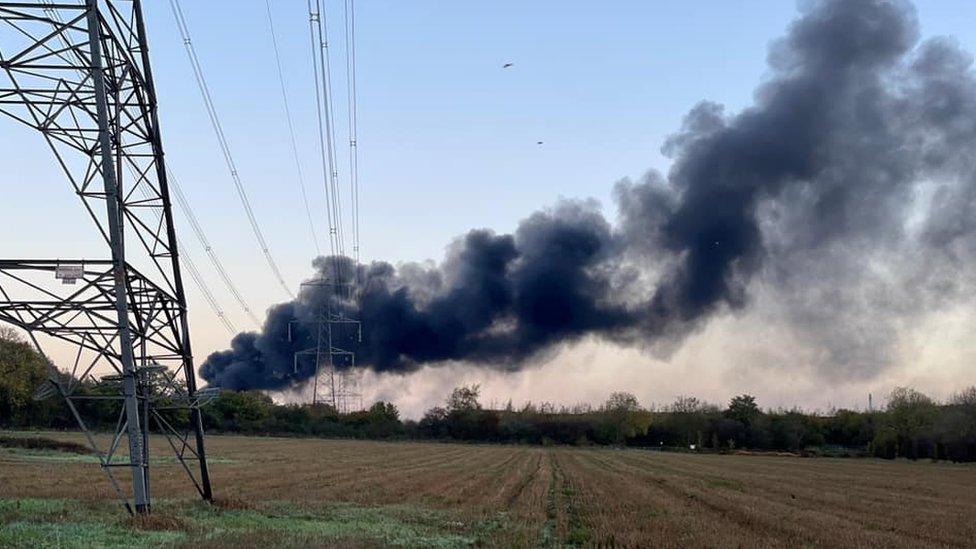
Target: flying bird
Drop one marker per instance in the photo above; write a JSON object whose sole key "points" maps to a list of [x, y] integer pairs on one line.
{"points": [[538, 142], [507, 65]]}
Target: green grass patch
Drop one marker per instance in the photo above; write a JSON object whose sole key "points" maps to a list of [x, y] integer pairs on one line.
{"points": [[55, 456], [31, 506], [63, 523], [70, 535]]}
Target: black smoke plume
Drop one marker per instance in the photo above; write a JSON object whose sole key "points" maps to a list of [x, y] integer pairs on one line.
{"points": [[822, 176]]}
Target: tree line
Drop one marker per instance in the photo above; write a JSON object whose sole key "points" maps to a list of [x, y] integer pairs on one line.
{"points": [[911, 425]]}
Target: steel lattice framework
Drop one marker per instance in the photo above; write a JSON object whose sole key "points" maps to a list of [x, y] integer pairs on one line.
{"points": [[336, 380], [78, 72]]}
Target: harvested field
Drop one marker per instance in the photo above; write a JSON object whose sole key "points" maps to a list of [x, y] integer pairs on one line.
{"points": [[451, 494]]}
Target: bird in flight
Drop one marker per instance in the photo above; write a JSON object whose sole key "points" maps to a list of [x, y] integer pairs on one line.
{"points": [[507, 65], [538, 142]]}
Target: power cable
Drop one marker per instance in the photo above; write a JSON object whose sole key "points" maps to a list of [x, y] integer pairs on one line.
{"points": [[291, 127], [329, 96], [205, 243], [205, 290], [350, 18], [186, 260], [222, 141], [322, 77]]}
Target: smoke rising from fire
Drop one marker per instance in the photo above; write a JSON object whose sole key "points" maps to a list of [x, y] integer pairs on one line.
{"points": [[846, 192]]}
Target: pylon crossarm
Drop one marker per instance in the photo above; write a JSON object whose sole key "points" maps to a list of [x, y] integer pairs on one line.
{"points": [[79, 74], [51, 88], [82, 316]]}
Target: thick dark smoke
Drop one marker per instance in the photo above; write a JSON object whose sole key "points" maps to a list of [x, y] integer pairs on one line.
{"points": [[856, 153]]}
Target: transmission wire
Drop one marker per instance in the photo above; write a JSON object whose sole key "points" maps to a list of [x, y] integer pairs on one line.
{"points": [[326, 167], [205, 289], [186, 260], [330, 123], [291, 127], [205, 243], [319, 42], [350, 18], [222, 141]]}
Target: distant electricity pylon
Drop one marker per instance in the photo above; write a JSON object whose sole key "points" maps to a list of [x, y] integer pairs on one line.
{"points": [[336, 380], [78, 72]]}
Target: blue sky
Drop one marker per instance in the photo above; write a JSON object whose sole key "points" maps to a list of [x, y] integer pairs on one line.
{"points": [[447, 136]]}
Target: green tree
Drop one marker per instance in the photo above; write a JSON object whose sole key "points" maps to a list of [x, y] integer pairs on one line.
{"points": [[384, 411], [909, 422], [465, 418], [623, 418], [241, 411], [434, 423], [743, 408], [22, 370], [464, 398], [688, 421], [956, 427], [622, 402], [850, 428], [382, 419]]}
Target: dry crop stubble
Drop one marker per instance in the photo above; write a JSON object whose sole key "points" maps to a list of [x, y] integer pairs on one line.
{"points": [[531, 496], [777, 501]]}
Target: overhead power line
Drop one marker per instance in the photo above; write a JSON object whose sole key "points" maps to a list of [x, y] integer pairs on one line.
{"points": [[291, 127], [187, 261], [222, 141], [350, 16], [205, 243], [318, 30], [205, 290]]}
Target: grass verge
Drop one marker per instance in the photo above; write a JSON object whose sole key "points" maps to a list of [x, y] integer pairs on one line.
{"points": [[70, 524]]}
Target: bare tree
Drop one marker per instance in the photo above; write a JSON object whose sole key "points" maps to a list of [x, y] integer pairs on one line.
{"points": [[9, 334]]}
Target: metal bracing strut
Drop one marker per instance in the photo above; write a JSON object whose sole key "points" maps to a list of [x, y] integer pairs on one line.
{"points": [[335, 365], [78, 72]]}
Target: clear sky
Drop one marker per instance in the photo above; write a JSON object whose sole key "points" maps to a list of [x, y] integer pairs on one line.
{"points": [[448, 138]]}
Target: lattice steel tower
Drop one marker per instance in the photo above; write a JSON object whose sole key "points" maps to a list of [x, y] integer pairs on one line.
{"points": [[336, 380], [78, 72]]}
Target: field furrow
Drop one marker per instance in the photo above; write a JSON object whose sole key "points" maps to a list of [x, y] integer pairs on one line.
{"points": [[521, 496]]}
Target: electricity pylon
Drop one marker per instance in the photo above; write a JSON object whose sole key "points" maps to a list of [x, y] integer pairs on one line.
{"points": [[78, 72], [336, 380]]}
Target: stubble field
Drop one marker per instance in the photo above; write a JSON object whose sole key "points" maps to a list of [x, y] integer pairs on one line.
{"points": [[301, 492]]}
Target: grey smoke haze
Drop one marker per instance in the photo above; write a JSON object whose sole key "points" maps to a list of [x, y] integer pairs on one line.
{"points": [[846, 192]]}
